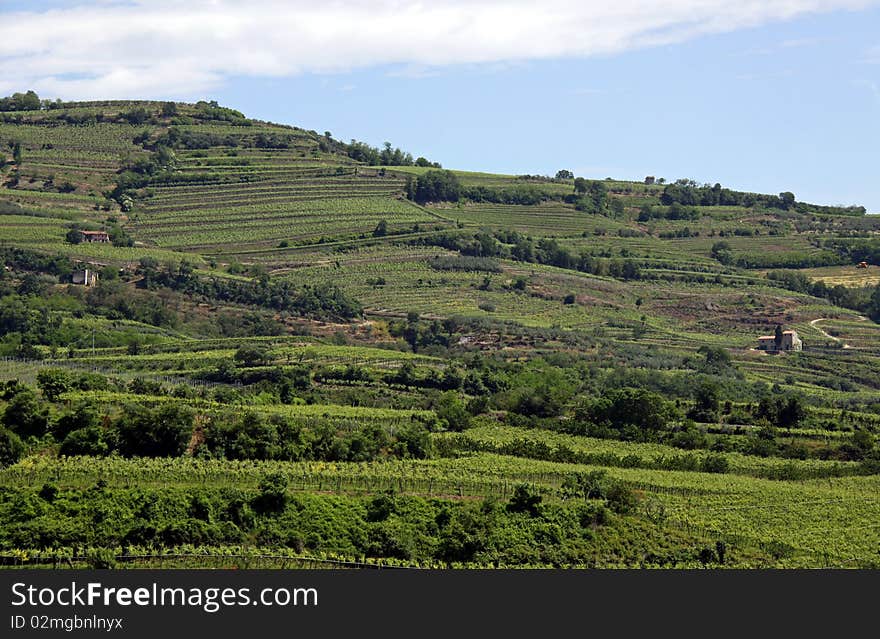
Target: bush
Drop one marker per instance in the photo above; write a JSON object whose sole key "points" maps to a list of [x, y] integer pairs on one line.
{"points": [[11, 448], [526, 499], [161, 432], [85, 441], [714, 463], [621, 499], [452, 412], [25, 416], [272, 497]]}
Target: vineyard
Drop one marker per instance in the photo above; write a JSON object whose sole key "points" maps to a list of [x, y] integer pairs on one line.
{"points": [[301, 352]]}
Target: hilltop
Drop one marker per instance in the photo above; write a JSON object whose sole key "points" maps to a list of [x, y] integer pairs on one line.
{"points": [[576, 352]]}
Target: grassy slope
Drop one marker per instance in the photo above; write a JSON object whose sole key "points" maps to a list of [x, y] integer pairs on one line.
{"points": [[309, 215]]}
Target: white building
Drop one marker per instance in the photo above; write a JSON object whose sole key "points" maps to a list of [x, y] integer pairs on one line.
{"points": [[790, 342]]}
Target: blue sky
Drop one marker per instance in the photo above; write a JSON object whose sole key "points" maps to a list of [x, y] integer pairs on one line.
{"points": [[757, 98]]}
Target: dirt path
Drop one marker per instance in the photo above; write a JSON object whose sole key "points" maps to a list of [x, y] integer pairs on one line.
{"points": [[814, 323]]}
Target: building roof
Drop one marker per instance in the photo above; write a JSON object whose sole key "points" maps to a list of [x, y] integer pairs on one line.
{"points": [[94, 232], [773, 337]]}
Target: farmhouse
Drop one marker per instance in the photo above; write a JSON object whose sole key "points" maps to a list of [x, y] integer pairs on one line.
{"points": [[790, 342], [95, 236], [85, 277]]}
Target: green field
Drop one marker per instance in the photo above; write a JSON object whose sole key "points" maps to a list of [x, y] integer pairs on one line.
{"points": [[294, 350]]}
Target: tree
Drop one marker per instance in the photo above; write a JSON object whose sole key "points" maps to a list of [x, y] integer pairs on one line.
{"points": [[717, 359], [452, 412], [437, 186], [11, 448], [161, 432], [381, 229], [564, 174], [82, 417], [272, 497], [632, 407], [53, 382], [526, 499], [16, 153], [791, 413], [874, 305], [251, 356], [787, 199], [29, 101], [25, 416], [85, 441], [706, 402], [777, 336], [722, 252], [580, 185]]}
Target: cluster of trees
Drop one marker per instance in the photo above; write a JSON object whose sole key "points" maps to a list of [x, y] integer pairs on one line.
{"points": [[444, 186], [465, 263], [723, 252], [28, 101], [513, 245], [213, 111], [591, 196], [434, 186], [177, 138], [29, 316], [166, 430], [854, 251], [253, 436], [140, 173], [689, 193], [523, 530], [629, 413], [363, 152], [865, 299], [674, 211], [322, 301], [522, 194]]}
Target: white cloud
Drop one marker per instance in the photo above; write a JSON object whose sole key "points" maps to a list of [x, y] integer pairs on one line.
{"points": [[872, 87], [176, 48]]}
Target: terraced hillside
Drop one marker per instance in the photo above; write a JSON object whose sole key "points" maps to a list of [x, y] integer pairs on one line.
{"points": [[301, 350]]}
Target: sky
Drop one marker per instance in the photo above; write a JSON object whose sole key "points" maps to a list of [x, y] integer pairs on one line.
{"points": [[759, 95]]}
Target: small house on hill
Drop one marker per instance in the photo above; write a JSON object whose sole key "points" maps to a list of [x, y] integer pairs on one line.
{"points": [[95, 236], [85, 277], [790, 342]]}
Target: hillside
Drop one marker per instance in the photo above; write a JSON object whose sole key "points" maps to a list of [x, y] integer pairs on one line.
{"points": [[313, 348]]}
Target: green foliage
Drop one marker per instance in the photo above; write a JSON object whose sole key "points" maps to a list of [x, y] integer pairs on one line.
{"points": [[53, 382], [272, 497], [251, 356], [11, 447], [161, 432], [91, 440], [28, 101], [25, 416], [632, 408], [381, 229], [436, 186], [452, 412], [706, 402], [526, 499]]}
